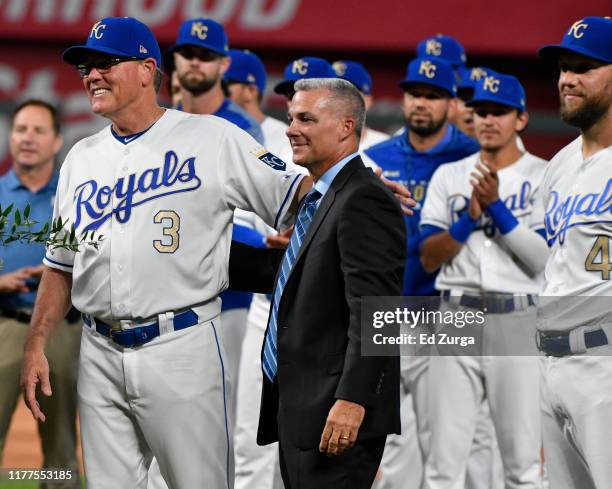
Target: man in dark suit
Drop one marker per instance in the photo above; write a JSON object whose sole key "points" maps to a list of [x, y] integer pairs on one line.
{"points": [[328, 406]]}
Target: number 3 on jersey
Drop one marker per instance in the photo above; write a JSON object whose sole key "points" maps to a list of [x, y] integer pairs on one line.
{"points": [[601, 253], [172, 223]]}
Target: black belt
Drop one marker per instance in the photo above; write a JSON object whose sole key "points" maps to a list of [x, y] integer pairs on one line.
{"points": [[493, 303], [558, 344], [21, 315]]}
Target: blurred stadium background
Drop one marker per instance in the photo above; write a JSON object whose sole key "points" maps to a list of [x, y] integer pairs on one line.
{"points": [[382, 34]]}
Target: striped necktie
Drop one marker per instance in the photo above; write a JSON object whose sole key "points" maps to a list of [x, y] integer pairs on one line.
{"points": [[301, 226]]}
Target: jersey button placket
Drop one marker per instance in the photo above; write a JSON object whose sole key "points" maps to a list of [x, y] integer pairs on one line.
{"points": [[119, 285]]}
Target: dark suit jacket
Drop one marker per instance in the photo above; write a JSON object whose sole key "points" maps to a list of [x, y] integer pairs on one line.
{"points": [[354, 247]]}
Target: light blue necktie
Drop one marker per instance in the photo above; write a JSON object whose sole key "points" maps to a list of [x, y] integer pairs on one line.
{"points": [[301, 226]]}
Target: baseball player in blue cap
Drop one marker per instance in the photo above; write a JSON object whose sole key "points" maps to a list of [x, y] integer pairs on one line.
{"points": [[464, 114], [574, 332], [307, 67], [357, 74], [479, 211], [200, 58], [411, 157]]}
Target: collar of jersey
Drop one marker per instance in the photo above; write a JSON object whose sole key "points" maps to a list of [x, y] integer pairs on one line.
{"points": [[130, 137]]}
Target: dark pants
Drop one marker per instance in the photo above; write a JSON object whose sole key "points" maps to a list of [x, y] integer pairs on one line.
{"points": [[311, 469]]}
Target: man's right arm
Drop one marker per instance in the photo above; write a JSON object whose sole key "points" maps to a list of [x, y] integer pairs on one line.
{"points": [[52, 305]]}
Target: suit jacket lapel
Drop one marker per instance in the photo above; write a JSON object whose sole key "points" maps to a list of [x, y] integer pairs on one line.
{"points": [[326, 203]]}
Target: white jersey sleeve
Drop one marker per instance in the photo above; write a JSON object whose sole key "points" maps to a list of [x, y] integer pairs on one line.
{"points": [[255, 179], [61, 258], [435, 212]]}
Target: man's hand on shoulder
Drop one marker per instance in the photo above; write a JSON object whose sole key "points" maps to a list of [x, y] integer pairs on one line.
{"points": [[401, 193], [341, 428]]}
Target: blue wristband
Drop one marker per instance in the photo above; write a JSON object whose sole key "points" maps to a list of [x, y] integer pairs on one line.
{"points": [[502, 217], [462, 228]]}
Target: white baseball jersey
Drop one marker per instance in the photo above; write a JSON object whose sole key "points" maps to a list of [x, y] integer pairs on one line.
{"points": [[370, 138], [577, 198], [485, 262], [164, 203]]}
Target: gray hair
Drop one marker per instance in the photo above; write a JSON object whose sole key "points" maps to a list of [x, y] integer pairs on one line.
{"points": [[343, 94]]}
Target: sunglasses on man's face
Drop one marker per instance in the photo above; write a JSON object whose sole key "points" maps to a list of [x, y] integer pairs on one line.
{"points": [[102, 65], [190, 52]]}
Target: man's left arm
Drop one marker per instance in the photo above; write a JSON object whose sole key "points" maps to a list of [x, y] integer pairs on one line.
{"points": [[372, 242]]}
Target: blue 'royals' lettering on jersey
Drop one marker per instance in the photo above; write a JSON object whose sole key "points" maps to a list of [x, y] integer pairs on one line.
{"points": [[519, 204], [402, 163], [92, 199], [560, 214]]}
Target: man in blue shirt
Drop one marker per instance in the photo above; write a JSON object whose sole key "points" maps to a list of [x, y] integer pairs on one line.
{"points": [[34, 141]]}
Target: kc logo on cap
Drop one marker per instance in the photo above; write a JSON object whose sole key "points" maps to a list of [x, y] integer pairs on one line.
{"points": [[477, 74], [300, 67], [339, 67], [97, 30], [491, 84], [199, 30], [428, 69], [577, 29], [433, 47]]}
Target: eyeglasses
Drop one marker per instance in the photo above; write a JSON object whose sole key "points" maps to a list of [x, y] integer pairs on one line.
{"points": [[190, 52], [102, 65]]}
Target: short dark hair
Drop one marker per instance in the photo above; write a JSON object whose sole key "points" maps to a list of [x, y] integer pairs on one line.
{"points": [[55, 117]]}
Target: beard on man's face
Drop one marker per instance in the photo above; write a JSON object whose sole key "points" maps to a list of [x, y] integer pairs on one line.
{"points": [[588, 113], [426, 126], [196, 86]]}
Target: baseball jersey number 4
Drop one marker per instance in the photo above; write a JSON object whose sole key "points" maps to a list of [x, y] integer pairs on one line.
{"points": [[171, 230], [600, 248]]}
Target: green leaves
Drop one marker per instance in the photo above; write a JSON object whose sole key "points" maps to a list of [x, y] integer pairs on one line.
{"points": [[54, 234]]}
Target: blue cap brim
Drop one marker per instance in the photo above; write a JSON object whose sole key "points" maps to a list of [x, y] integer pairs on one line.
{"points": [[553, 51], [405, 84], [284, 87], [76, 54], [498, 101]]}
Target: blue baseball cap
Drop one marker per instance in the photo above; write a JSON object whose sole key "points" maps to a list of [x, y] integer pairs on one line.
{"points": [[246, 67], [204, 33], [125, 37], [430, 71], [444, 47], [589, 36], [500, 89], [469, 77], [309, 67], [355, 73]]}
